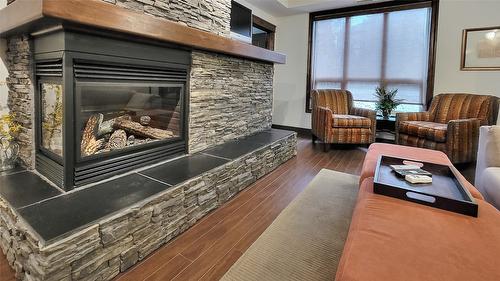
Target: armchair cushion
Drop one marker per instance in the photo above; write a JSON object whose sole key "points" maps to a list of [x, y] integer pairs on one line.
{"points": [[335, 120], [448, 107], [455, 130], [351, 135], [350, 121], [423, 129]]}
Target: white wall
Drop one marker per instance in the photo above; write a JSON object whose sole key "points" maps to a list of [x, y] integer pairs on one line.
{"points": [[3, 71], [290, 78], [454, 16]]}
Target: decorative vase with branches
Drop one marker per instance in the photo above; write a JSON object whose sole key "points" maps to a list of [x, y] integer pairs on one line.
{"points": [[386, 100], [9, 149]]}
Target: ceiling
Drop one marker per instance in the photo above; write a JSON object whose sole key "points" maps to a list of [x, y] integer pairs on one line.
{"points": [[280, 8]]}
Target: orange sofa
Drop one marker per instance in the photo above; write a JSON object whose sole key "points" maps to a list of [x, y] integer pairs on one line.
{"points": [[391, 239]]}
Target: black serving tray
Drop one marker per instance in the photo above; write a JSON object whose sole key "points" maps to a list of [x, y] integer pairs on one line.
{"points": [[445, 192]]}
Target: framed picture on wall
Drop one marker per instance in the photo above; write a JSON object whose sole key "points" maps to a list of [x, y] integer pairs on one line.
{"points": [[481, 49]]}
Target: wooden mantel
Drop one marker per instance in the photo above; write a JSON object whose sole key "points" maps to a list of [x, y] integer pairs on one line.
{"points": [[30, 15]]}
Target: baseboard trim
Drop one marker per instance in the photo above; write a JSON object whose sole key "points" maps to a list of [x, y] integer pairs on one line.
{"points": [[300, 131]]}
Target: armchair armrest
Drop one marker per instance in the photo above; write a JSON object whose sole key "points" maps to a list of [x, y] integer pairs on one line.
{"points": [[462, 138], [488, 151], [364, 112], [370, 114], [322, 119]]}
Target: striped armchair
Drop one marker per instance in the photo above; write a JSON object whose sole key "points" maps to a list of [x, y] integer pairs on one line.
{"points": [[451, 125], [335, 120]]}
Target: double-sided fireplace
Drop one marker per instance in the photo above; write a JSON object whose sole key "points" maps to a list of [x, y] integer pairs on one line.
{"points": [[105, 106]]}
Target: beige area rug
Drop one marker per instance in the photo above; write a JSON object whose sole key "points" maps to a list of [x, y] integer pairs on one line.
{"points": [[306, 240]]}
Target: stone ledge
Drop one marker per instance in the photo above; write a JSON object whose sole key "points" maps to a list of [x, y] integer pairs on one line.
{"points": [[112, 245]]}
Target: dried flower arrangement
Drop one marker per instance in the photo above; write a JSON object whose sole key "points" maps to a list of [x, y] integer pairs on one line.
{"points": [[9, 128], [9, 149]]}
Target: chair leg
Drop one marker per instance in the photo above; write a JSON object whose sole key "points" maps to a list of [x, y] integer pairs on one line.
{"points": [[326, 147], [314, 138]]}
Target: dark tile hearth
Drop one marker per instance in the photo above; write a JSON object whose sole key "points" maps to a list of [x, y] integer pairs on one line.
{"points": [[233, 149], [182, 169], [22, 188], [55, 217], [76, 209], [237, 148], [269, 136]]}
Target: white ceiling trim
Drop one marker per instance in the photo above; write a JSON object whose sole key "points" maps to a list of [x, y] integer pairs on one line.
{"points": [[280, 8]]}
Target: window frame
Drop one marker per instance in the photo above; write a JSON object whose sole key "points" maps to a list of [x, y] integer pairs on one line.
{"points": [[382, 7], [39, 131], [266, 26]]}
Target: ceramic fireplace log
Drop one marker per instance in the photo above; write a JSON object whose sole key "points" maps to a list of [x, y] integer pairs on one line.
{"points": [[106, 127], [135, 128], [90, 144], [118, 140]]}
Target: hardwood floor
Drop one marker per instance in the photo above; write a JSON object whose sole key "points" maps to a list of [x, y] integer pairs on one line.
{"points": [[6, 272], [208, 249]]}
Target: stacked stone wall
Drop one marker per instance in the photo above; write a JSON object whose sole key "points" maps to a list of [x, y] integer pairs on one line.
{"points": [[20, 94], [230, 98], [207, 15]]}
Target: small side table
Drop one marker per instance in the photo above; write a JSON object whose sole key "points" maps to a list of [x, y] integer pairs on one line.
{"points": [[386, 129]]}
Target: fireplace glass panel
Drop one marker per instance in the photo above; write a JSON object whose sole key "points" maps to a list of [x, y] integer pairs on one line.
{"points": [[115, 116], [52, 117]]}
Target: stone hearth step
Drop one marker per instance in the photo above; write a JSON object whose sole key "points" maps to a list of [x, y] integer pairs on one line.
{"points": [[52, 213], [105, 228]]}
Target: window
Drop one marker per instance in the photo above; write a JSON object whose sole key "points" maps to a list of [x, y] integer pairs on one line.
{"points": [[263, 33], [361, 51], [51, 117]]}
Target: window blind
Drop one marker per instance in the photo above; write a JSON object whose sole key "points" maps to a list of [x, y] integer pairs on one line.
{"points": [[361, 52]]}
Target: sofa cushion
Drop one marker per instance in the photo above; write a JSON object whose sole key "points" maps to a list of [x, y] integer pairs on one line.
{"points": [[392, 239], [490, 180], [421, 154], [423, 129], [350, 121]]}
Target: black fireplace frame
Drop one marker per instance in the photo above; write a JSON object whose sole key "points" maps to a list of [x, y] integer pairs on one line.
{"points": [[55, 54]]}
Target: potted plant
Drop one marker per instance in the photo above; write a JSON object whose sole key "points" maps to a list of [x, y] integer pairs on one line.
{"points": [[386, 100], [9, 149]]}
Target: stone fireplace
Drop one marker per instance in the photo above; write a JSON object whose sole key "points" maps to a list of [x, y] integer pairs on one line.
{"points": [[102, 89], [104, 106], [226, 96]]}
